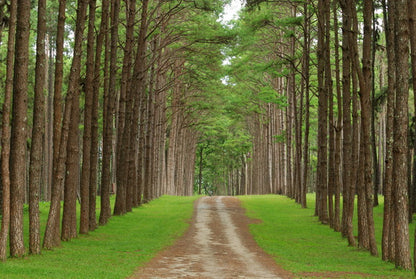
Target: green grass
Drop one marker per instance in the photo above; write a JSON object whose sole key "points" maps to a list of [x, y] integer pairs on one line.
{"points": [[112, 251], [300, 243]]}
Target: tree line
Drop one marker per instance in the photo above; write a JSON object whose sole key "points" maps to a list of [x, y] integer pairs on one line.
{"points": [[138, 99], [327, 86], [96, 104]]}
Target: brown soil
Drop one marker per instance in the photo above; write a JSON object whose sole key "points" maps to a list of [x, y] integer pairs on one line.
{"points": [[218, 244]]}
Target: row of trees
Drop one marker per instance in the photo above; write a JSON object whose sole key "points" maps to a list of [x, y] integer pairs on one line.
{"points": [[111, 107], [134, 99], [325, 90]]}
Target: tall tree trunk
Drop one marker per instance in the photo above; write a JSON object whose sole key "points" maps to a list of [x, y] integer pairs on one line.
{"points": [[133, 113], [305, 70], [5, 132], [18, 131], [322, 184], [330, 115], [109, 103], [140, 105], [400, 147], [290, 91], [366, 121], [387, 254], [365, 190], [106, 210], [125, 92], [338, 125], [109, 115], [69, 219], [52, 231], [36, 154], [349, 189], [412, 30], [86, 142], [173, 135], [48, 143], [298, 111], [148, 191], [376, 165]]}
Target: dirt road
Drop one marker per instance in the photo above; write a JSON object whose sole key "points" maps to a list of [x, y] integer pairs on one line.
{"points": [[217, 245]]}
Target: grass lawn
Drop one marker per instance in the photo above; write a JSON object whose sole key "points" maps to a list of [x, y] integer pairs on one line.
{"points": [[301, 244], [112, 251]]}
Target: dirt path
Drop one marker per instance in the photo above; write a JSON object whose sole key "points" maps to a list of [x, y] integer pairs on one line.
{"points": [[218, 244]]}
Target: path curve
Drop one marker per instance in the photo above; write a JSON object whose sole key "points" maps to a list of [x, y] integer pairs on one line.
{"points": [[218, 244]]}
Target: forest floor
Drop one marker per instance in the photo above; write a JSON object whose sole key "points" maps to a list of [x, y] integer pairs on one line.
{"points": [[218, 244]]}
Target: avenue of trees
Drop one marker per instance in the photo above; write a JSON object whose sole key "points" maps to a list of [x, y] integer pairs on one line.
{"points": [[327, 86], [100, 98], [138, 99]]}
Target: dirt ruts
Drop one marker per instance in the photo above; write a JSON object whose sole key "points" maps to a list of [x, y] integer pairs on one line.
{"points": [[218, 244]]}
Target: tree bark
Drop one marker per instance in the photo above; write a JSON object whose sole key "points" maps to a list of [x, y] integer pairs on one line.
{"points": [[5, 132], [52, 231], [321, 183], [111, 99], [366, 121], [173, 135], [36, 154], [412, 30], [69, 219], [109, 103], [306, 62], [94, 119], [19, 129], [86, 142], [349, 189], [400, 147], [124, 103], [365, 185], [338, 125], [330, 115]]}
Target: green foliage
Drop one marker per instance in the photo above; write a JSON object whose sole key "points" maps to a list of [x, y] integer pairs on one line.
{"points": [[269, 95], [112, 251], [300, 244], [291, 21], [281, 137], [223, 142]]}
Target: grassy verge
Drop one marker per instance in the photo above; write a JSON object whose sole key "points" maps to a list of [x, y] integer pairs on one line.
{"points": [[112, 251], [299, 243]]}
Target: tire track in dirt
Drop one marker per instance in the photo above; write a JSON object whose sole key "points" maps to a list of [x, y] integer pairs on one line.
{"points": [[218, 244]]}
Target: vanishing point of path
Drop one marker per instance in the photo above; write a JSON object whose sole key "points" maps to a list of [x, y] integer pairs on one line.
{"points": [[218, 244]]}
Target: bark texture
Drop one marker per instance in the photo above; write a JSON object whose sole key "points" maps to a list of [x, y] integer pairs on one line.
{"points": [[19, 129]]}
